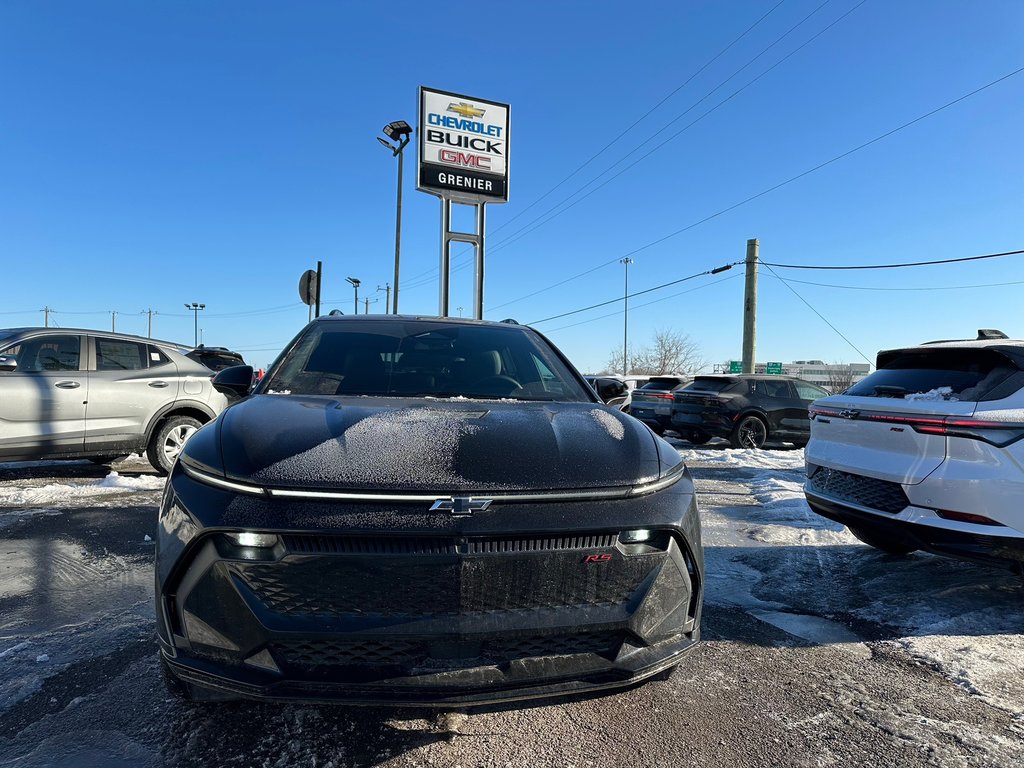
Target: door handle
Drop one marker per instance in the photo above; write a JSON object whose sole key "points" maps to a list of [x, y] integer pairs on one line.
{"points": [[68, 384], [158, 384]]}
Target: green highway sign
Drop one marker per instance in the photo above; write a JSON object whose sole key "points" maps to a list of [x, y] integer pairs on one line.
{"points": [[773, 368], [735, 366]]}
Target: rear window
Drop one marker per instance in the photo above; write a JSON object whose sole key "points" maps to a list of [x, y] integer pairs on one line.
{"points": [[663, 382], [950, 374], [709, 384]]}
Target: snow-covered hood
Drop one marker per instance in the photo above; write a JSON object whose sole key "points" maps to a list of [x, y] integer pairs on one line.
{"points": [[443, 445]]}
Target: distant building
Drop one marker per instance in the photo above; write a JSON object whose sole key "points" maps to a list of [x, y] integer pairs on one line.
{"points": [[815, 371]]}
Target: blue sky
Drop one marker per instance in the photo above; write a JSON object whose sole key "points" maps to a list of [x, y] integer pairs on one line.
{"points": [[153, 154]]}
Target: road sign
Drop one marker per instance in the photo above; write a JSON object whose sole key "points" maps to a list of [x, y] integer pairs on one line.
{"points": [[735, 366], [307, 287], [773, 368]]}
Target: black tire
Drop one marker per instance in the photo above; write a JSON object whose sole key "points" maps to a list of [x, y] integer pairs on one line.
{"points": [[656, 428], [750, 432], [892, 544], [167, 441], [800, 443], [697, 437]]}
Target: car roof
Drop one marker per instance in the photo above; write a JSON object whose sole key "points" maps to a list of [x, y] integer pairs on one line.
{"points": [[417, 318], [95, 332], [1013, 349]]}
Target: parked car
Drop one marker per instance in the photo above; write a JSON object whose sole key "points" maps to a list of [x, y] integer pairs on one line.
{"points": [[748, 410], [612, 391], [215, 358], [927, 452], [652, 401], [423, 511], [71, 394]]}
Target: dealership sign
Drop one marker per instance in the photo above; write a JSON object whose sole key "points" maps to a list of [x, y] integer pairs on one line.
{"points": [[463, 147]]}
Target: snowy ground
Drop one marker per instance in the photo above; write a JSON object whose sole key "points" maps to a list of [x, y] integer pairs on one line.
{"points": [[776, 559], [818, 650]]}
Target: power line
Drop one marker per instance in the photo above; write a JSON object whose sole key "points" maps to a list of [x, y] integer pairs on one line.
{"points": [[897, 266], [431, 273], [638, 293], [818, 167], [823, 318], [645, 304], [650, 111], [541, 221], [926, 288]]}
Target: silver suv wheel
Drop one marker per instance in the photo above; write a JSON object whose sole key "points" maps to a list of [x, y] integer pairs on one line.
{"points": [[167, 442]]}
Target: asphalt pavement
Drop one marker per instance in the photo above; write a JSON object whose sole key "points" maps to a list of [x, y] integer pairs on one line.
{"points": [[817, 651]]}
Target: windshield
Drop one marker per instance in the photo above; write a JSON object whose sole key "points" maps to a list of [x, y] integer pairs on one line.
{"points": [[416, 359]]}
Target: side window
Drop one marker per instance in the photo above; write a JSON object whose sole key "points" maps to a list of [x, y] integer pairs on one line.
{"points": [[47, 353], [768, 388], [156, 357], [808, 391], [117, 355]]}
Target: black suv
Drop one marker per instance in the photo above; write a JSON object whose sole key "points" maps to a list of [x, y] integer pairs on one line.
{"points": [[425, 511], [215, 358], [748, 410]]}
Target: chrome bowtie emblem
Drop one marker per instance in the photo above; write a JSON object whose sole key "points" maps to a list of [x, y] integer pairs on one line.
{"points": [[461, 506], [849, 414]]}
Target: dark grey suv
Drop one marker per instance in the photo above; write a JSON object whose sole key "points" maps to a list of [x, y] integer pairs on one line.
{"points": [[70, 394]]}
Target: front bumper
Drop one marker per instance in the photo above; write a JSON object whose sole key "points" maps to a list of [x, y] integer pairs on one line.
{"points": [[1006, 551], [409, 607]]}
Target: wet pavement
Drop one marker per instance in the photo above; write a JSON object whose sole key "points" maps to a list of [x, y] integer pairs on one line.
{"points": [[817, 651]]}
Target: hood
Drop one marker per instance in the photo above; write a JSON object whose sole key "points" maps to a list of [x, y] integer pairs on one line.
{"points": [[444, 446]]}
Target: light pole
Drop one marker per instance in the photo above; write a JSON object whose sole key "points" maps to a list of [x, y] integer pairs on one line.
{"points": [[354, 282], [625, 318], [195, 310], [401, 132]]}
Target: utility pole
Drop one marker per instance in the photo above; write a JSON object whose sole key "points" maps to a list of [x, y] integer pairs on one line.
{"points": [[750, 307], [149, 324], [113, 322], [367, 301], [387, 297], [625, 318], [46, 316]]}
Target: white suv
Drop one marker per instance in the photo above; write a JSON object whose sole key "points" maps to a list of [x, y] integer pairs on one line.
{"points": [[928, 451]]}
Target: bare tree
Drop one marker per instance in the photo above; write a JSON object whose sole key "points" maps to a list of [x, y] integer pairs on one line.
{"points": [[669, 352], [840, 377]]}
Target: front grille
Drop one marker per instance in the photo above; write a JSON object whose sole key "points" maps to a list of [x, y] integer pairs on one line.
{"points": [[312, 544], [379, 576], [395, 653], [883, 495]]}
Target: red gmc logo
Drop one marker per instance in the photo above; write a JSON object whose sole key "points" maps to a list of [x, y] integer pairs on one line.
{"points": [[597, 558]]}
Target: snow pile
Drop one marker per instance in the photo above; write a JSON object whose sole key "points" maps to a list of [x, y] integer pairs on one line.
{"points": [[940, 393], [56, 494], [747, 458]]}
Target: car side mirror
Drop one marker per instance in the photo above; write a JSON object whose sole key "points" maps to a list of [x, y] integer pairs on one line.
{"points": [[8, 363], [235, 382]]}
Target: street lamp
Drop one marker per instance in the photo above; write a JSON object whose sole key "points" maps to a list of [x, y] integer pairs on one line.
{"points": [[625, 318], [401, 132], [354, 282], [195, 309]]}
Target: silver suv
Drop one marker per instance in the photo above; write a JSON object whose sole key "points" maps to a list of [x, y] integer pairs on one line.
{"points": [[71, 394], [928, 451]]}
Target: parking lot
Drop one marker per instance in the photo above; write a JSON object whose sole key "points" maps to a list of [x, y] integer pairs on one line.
{"points": [[817, 650]]}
